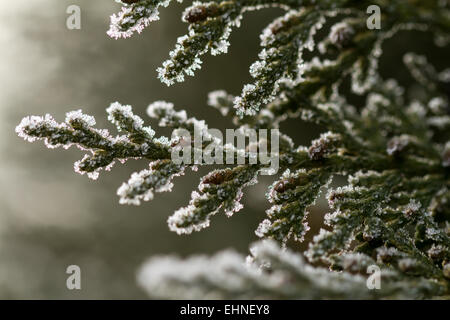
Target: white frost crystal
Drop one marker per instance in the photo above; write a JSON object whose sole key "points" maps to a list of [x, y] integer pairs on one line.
{"points": [[135, 18], [88, 121]]}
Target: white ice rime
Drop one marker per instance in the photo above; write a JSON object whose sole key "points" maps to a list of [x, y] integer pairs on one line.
{"points": [[181, 220], [135, 17], [269, 269], [78, 116], [142, 185], [165, 112], [35, 124]]}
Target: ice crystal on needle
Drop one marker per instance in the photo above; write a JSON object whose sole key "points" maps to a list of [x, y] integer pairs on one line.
{"points": [[135, 16], [393, 148]]}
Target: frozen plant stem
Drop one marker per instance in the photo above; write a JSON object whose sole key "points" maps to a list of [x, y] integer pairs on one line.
{"points": [[394, 211]]}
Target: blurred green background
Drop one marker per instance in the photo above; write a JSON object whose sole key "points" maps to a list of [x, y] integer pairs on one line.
{"points": [[50, 217]]}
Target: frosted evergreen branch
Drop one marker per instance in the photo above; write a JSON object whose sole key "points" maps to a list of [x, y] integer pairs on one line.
{"points": [[78, 130], [220, 189], [143, 185], [134, 17], [394, 150], [281, 59], [291, 196], [210, 25], [269, 273]]}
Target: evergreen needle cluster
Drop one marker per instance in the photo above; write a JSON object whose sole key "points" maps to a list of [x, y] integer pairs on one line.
{"points": [[394, 211]]}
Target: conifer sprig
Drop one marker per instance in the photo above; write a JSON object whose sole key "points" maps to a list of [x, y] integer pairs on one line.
{"points": [[394, 150]]}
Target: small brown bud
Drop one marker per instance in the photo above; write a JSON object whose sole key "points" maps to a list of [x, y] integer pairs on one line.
{"points": [[217, 177], [196, 14], [281, 186], [323, 146]]}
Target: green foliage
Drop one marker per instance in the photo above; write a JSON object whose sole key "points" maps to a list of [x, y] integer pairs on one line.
{"points": [[394, 211]]}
